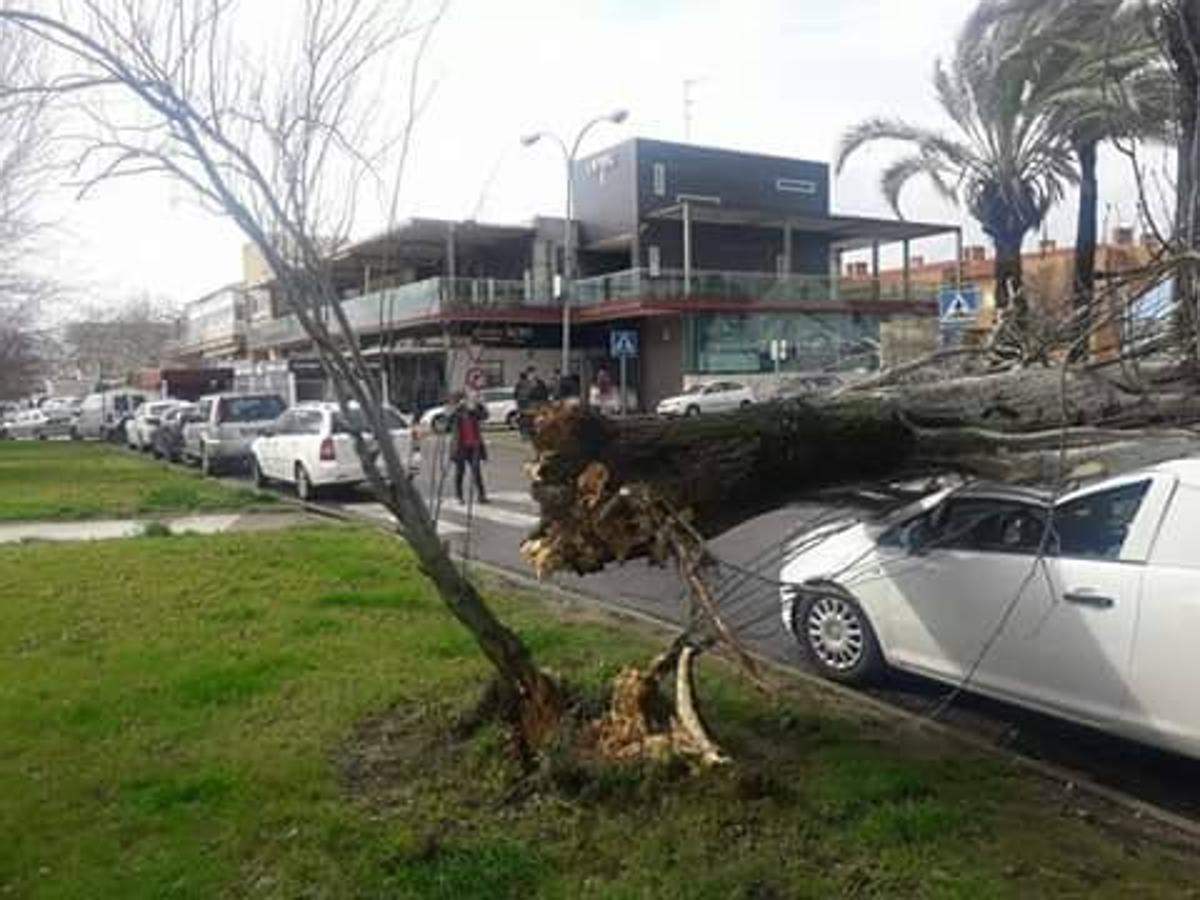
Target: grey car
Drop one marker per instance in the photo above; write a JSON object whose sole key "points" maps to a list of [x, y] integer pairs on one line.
{"points": [[224, 425]]}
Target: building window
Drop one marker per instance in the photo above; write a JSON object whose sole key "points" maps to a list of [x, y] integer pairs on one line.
{"points": [[654, 260], [660, 179], [795, 186]]}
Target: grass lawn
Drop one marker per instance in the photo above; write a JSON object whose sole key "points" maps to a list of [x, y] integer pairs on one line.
{"points": [[269, 715], [54, 480]]}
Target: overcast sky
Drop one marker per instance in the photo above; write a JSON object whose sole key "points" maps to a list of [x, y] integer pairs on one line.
{"points": [[775, 76]]}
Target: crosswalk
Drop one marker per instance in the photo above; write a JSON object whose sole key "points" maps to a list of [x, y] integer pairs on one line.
{"points": [[510, 509]]}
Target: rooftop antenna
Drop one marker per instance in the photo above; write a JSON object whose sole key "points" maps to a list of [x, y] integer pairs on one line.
{"points": [[688, 103]]}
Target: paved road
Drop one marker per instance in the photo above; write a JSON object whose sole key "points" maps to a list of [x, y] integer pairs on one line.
{"points": [[493, 533]]}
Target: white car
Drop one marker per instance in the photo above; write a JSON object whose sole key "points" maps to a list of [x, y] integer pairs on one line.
{"points": [[1085, 607], [716, 396], [38, 424], [311, 446], [140, 430], [501, 405]]}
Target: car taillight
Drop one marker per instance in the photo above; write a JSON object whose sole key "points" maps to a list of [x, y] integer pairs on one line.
{"points": [[327, 452]]}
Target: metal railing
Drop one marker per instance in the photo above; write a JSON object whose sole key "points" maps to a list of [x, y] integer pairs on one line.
{"points": [[750, 287], [396, 306]]}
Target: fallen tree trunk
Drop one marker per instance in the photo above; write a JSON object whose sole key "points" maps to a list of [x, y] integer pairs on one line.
{"points": [[608, 489]]}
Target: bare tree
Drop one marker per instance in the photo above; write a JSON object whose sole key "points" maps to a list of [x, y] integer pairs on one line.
{"points": [[112, 342], [23, 149], [285, 141]]}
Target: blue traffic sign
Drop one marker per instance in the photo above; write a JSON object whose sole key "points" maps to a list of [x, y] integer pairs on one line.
{"points": [[623, 344], [958, 305]]}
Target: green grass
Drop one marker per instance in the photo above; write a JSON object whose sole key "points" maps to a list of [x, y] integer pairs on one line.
{"points": [[270, 714], [52, 480]]}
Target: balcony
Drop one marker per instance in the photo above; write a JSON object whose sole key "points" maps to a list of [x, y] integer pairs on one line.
{"points": [[406, 304], [748, 287], [423, 301]]}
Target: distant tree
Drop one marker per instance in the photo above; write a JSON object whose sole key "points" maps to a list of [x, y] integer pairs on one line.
{"points": [[110, 343], [1006, 161]]}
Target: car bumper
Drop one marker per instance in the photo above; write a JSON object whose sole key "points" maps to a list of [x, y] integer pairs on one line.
{"points": [[228, 448]]}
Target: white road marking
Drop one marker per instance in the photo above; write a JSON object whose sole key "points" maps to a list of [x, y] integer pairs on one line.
{"points": [[378, 512], [490, 513], [518, 498]]}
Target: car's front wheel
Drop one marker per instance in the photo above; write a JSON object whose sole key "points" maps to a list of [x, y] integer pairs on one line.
{"points": [[837, 636], [514, 420], [692, 410]]}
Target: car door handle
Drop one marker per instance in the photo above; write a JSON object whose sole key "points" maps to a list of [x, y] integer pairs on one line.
{"points": [[1086, 597]]}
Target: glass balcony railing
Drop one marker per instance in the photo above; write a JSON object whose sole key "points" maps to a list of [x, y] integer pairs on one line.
{"points": [[403, 305], [751, 287]]}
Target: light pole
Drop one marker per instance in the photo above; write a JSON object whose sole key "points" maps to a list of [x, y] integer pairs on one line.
{"points": [[616, 117]]}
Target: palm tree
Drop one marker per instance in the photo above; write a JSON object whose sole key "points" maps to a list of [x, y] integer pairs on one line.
{"points": [[1096, 67], [1007, 160]]}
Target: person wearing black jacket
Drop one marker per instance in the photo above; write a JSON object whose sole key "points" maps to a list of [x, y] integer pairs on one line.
{"points": [[467, 447]]}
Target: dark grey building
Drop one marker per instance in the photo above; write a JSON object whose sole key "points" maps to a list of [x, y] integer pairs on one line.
{"points": [[717, 258]]}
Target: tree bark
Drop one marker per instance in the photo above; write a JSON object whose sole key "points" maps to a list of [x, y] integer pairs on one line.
{"points": [[1011, 304], [1085, 228], [1180, 24]]}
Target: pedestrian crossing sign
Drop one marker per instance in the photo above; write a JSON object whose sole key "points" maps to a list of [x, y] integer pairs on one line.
{"points": [[958, 305], [623, 344]]}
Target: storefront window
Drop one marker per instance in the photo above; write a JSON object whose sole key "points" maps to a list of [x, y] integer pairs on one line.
{"points": [[716, 343]]}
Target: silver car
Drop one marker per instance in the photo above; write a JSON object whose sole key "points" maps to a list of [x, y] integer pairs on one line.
{"points": [[224, 426]]}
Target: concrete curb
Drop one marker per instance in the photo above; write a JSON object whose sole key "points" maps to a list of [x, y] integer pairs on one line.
{"points": [[1068, 779]]}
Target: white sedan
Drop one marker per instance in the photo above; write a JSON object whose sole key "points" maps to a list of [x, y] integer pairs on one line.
{"points": [[139, 431], [501, 405], [311, 446], [1085, 607], [716, 396]]}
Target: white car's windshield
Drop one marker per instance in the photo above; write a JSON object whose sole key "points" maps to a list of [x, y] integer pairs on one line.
{"points": [[344, 424], [250, 409]]}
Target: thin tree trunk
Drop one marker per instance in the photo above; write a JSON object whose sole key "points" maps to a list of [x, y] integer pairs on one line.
{"points": [[1181, 27], [1010, 298], [1085, 228]]}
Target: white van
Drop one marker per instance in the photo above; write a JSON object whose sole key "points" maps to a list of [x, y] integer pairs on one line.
{"points": [[103, 414]]}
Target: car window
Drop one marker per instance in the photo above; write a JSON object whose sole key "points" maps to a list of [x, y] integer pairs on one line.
{"points": [[307, 421], [1095, 526], [356, 422], [204, 410], [990, 526], [249, 409]]}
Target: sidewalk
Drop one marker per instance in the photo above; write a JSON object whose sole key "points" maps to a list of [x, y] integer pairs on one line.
{"points": [[113, 529]]}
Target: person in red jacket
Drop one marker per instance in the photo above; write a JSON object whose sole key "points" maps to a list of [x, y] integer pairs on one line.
{"points": [[467, 447]]}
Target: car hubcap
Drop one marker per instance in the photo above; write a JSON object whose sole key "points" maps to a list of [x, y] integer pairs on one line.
{"points": [[835, 633]]}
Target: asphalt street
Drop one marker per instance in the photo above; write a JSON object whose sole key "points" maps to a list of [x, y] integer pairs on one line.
{"points": [[749, 598]]}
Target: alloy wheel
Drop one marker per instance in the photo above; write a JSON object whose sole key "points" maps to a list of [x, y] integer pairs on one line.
{"points": [[835, 632]]}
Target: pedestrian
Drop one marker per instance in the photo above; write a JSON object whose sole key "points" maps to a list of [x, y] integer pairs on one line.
{"points": [[521, 395], [467, 447], [603, 390], [539, 394]]}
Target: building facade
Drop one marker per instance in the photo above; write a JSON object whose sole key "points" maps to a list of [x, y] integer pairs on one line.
{"points": [[722, 263]]}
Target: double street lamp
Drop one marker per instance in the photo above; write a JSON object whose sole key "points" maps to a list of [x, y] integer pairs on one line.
{"points": [[616, 117]]}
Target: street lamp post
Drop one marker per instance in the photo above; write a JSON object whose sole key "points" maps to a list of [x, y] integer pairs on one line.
{"points": [[568, 274]]}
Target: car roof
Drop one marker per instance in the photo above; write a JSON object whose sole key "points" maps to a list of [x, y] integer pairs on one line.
{"points": [[996, 490], [1186, 470]]}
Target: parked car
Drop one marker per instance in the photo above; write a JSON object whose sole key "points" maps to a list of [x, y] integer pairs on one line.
{"points": [[1084, 607], [224, 426], [311, 446], [716, 396], [501, 404], [139, 431], [34, 424], [167, 442], [102, 415]]}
